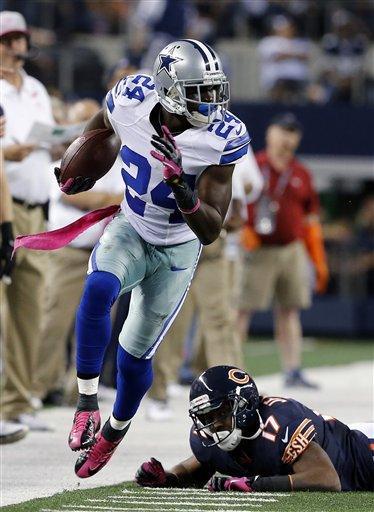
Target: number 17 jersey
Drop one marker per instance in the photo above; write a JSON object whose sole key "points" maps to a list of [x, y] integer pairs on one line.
{"points": [[148, 201]]}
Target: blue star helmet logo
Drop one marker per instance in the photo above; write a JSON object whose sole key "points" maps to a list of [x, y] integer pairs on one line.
{"points": [[165, 62]]}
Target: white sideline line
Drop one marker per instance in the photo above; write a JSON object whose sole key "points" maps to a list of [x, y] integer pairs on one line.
{"points": [[171, 503], [222, 497], [93, 509], [226, 501], [216, 503], [173, 490], [65, 510], [146, 510]]}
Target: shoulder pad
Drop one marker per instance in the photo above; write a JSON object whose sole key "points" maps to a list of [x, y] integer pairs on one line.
{"points": [[229, 138], [130, 91]]}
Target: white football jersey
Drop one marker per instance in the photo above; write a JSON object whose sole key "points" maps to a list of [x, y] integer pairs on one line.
{"points": [[148, 202]]}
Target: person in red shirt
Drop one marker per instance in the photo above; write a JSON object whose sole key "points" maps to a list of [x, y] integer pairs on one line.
{"points": [[282, 230]]}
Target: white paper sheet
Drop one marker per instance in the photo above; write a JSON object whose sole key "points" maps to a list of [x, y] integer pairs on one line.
{"points": [[46, 135]]}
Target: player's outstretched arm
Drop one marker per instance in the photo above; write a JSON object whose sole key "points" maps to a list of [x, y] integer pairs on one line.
{"points": [[189, 473], [313, 471]]}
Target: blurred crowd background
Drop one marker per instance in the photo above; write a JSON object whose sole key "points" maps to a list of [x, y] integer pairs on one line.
{"points": [[311, 58], [326, 73], [326, 45]]}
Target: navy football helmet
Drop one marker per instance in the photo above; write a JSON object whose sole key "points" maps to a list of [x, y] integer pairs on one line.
{"points": [[223, 406]]}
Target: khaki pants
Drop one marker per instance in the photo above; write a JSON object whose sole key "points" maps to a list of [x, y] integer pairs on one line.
{"points": [[218, 341], [21, 311], [276, 273], [65, 279]]}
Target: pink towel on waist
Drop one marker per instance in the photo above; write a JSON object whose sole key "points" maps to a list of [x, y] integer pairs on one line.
{"points": [[50, 240]]}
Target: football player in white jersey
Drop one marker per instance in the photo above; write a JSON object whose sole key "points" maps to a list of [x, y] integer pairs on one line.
{"points": [[179, 146]]}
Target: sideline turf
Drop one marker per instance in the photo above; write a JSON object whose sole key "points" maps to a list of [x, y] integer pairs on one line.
{"points": [[262, 358], [130, 497]]}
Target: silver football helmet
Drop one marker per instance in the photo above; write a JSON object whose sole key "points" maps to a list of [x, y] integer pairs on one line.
{"points": [[190, 81]]}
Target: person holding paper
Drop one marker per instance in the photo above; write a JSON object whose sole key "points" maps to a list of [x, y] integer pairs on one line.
{"points": [[27, 166]]}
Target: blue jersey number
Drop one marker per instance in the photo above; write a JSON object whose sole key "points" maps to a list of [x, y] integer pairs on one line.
{"points": [[224, 131], [137, 93], [138, 181]]}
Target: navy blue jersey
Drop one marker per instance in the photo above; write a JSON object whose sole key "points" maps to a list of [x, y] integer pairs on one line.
{"points": [[289, 427]]}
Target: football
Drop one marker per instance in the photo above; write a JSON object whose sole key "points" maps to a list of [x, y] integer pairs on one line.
{"points": [[91, 155]]}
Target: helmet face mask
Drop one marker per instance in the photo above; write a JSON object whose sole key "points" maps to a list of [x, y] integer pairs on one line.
{"points": [[183, 75], [216, 422], [223, 406]]}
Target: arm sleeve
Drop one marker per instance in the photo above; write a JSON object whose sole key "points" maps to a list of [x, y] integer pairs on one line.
{"points": [[111, 99], [299, 434], [236, 148], [225, 142], [116, 101]]}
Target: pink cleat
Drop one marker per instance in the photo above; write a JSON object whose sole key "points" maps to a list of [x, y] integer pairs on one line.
{"points": [[85, 426], [92, 460]]}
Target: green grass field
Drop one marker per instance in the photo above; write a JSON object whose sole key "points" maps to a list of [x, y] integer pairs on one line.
{"points": [[129, 497], [262, 357]]}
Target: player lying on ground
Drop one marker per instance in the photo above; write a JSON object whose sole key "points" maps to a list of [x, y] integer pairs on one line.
{"points": [[177, 192], [264, 443]]}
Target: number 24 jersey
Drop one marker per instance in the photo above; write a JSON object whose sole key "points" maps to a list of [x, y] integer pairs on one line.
{"points": [[148, 202]]}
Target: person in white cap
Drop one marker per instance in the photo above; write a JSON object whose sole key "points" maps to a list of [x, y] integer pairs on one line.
{"points": [[9, 432], [24, 100]]}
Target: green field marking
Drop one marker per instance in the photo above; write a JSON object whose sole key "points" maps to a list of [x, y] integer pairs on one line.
{"points": [[261, 356], [129, 497]]}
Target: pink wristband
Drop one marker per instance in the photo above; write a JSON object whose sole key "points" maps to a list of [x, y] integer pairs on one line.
{"points": [[193, 210]]}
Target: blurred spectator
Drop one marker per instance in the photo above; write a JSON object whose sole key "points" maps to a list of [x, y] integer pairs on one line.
{"points": [[344, 50], [9, 432], [27, 166], [210, 20], [121, 69], [261, 11], [59, 110], [282, 223], [284, 62], [67, 268], [153, 25], [363, 264]]}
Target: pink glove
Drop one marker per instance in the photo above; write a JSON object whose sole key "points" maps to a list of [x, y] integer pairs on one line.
{"points": [[152, 474], [171, 156], [229, 483], [74, 185]]}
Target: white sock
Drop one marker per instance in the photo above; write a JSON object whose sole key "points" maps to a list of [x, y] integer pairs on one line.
{"points": [[116, 424], [89, 386]]}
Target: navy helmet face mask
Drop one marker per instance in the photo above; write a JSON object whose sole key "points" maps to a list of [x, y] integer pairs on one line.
{"points": [[223, 407]]}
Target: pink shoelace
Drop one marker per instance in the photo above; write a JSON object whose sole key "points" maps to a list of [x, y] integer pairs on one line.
{"points": [[80, 421]]}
